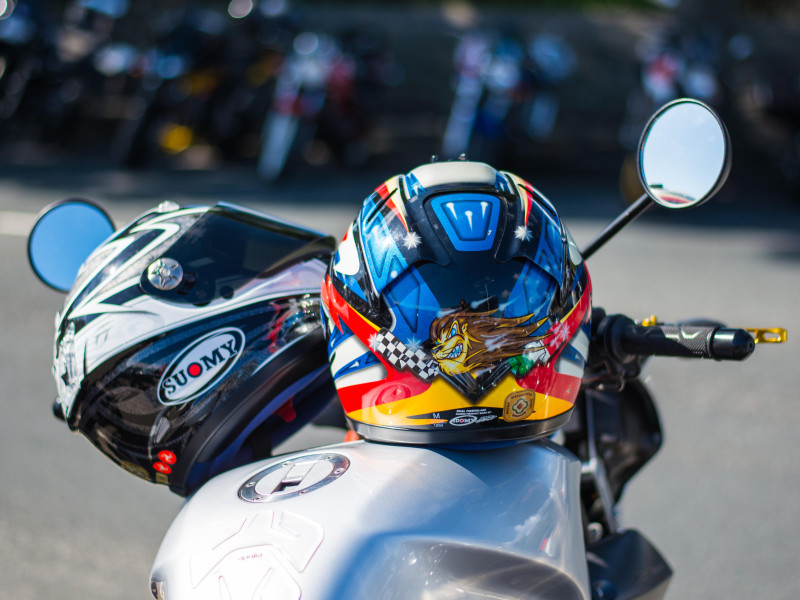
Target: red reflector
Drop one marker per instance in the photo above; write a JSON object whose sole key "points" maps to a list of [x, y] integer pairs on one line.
{"points": [[167, 457]]}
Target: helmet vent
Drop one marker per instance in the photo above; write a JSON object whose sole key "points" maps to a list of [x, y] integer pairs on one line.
{"points": [[470, 220]]}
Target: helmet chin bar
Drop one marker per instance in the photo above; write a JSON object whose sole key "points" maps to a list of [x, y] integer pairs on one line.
{"points": [[262, 396]]}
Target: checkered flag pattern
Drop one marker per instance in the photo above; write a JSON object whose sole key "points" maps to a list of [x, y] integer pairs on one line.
{"points": [[399, 355]]}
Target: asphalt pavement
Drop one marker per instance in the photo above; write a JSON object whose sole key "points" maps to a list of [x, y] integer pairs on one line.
{"points": [[719, 500]]}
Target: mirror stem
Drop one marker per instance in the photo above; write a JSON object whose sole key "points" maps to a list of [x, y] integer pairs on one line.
{"points": [[633, 211]]}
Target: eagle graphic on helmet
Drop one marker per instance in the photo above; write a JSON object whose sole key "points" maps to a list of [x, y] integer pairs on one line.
{"points": [[465, 341]]}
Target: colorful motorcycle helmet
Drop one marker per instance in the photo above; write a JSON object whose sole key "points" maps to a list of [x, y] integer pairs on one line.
{"points": [[457, 310], [191, 342]]}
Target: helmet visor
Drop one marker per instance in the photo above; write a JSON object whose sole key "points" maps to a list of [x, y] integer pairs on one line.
{"points": [[227, 248]]}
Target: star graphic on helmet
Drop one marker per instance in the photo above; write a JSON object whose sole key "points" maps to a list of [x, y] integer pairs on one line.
{"points": [[522, 233], [413, 344], [411, 240]]}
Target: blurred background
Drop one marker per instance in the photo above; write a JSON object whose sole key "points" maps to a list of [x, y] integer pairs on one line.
{"points": [[281, 86], [301, 109]]}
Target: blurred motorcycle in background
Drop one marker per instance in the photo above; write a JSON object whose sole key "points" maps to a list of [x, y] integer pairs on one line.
{"points": [[180, 76], [276, 85], [64, 74], [766, 99], [24, 37], [505, 93], [327, 94], [672, 63]]}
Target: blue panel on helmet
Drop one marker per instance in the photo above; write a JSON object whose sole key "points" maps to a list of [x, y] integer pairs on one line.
{"points": [[383, 256], [531, 294], [501, 184], [414, 186], [362, 362], [407, 292], [550, 253], [470, 220], [413, 306]]}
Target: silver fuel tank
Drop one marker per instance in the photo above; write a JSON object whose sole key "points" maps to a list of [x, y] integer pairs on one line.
{"points": [[375, 521]]}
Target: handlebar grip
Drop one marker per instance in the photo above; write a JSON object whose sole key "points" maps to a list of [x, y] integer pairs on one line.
{"points": [[626, 339], [720, 343], [665, 340]]}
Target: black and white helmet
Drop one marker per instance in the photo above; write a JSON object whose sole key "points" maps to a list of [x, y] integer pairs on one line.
{"points": [[191, 342]]}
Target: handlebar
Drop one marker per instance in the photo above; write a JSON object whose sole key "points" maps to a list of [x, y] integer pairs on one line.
{"points": [[621, 338]]}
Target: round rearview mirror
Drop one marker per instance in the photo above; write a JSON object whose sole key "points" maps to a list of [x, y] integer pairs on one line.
{"points": [[63, 237], [684, 154]]}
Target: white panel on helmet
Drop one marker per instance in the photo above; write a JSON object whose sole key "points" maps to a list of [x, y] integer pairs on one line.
{"points": [[442, 173], [347, 262]]}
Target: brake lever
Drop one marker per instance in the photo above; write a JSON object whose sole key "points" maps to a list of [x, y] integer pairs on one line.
{"points": [[767, 335]]}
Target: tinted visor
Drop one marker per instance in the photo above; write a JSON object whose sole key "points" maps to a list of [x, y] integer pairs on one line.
{"points": [[426, 292], [227, 248]]}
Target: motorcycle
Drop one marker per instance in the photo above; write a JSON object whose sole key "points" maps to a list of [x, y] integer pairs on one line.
{"points": [[671, 65], [328, 91], [56, 75], [92, 72], [23, 45], [535, 519], [505, 96], [205, 86], [176, 81]]}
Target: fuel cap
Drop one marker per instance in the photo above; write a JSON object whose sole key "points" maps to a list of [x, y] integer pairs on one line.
{"points": [[294, 477]]}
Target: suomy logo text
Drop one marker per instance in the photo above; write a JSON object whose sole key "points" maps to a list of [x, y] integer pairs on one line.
{"points": [[200, 366]]}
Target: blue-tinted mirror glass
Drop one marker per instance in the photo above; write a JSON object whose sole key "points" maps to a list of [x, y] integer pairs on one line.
{"points": [[684, 155], [63, 238]]}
